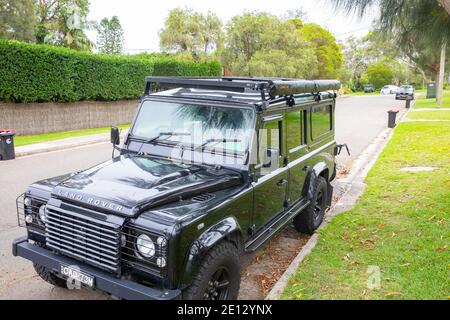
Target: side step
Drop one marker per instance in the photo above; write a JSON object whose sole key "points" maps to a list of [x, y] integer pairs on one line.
{"points": [[260, 238]]}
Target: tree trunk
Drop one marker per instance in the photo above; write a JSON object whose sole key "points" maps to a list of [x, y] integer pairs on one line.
{"points": [[440, 88], [422, 74]]}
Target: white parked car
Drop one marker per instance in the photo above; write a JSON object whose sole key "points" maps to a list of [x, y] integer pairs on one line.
{"points": [[389, 90]]}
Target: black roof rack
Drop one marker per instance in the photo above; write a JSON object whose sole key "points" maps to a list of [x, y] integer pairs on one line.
{"points": [[274, 87]]}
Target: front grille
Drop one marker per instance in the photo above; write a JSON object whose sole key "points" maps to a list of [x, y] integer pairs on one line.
{"points": [[89, 240]]}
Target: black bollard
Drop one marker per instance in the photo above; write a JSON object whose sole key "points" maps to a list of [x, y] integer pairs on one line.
{"points": [[408, 103]]}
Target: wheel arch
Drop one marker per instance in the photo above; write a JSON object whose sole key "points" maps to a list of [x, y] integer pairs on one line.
{"points": [[227, 229], [321, 169]]}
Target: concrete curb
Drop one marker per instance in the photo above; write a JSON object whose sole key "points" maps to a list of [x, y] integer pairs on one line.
{"points": [[354, 188], [430, 109]]}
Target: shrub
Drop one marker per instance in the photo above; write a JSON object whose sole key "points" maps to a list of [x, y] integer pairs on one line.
{"points": [[175, 67], [40, 73], [379, 74]]}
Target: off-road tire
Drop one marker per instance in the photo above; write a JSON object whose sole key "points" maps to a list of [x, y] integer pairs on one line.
{"points": [[49, 276], [309, 219], [223, 255]]}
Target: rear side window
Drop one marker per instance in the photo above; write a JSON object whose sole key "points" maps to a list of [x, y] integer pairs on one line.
{"points": [[271, 135], [321, 121], [295, 136]]}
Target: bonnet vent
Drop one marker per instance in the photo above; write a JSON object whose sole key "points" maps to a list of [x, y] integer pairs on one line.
{"points": [[203, 197]]}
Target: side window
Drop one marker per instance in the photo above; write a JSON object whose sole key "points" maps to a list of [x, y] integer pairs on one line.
{"points": [[271, 136], [270, 145], [295, 130], [321, 120]]}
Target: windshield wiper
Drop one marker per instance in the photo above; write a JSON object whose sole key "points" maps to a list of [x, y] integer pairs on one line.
{"points": [[168, 134], [216, 141], [162, 134]]}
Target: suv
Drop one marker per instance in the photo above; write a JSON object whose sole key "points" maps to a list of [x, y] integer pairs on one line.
{"points": [[405, 93], [369, 88], [211, 169]]}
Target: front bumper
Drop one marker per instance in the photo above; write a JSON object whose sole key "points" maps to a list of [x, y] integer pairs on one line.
{"points": [[404, 97], [103, 281]]}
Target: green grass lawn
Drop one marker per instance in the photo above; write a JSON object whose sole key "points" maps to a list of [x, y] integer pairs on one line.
{"points": [[40, 138], [431, 103], [401, 226], [429, 115]]}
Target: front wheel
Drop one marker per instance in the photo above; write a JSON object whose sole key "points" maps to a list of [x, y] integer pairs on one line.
{"points": [[219, 275], [312, 216]]}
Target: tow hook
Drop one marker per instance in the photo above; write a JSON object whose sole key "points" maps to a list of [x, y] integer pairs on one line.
{"points": [[339, 147]]}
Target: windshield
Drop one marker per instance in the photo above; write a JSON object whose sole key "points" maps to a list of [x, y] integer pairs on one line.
{"points": [[209, 127]]}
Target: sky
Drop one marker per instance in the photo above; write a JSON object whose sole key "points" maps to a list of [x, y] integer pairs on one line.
{"points": [[142, 19]]}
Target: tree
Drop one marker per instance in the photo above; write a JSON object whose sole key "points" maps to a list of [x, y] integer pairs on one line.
{"points": [[327, 50], [110, 39], [426, 22], [17, 20], [278, 63], [258, 43], [299, 14], [63, 22], [188, 31], [355, 63], [379, 74], [211, 32], [248, 33]]}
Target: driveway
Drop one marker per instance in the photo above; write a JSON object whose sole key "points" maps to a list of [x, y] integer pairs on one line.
{"points": [[358, 122]]}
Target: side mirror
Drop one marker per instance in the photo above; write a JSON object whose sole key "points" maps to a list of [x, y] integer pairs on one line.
{"points": [[115, 136], [270, 156]]}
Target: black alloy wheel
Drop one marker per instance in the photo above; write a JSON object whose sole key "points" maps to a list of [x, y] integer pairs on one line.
{"points": [[218, 285]]}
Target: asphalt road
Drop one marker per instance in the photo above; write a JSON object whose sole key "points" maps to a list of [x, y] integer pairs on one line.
{"points": [[358, 121]]}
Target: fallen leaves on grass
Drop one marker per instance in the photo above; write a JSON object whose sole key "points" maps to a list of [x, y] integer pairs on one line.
{"points": [[381, 225], [405, 265], [390, 294], [345, 237]]}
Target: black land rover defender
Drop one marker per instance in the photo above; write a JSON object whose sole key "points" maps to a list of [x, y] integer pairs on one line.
{"points": [[210, 170]]}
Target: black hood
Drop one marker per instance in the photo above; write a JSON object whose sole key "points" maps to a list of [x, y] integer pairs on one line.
{"points": [[128, 185]]}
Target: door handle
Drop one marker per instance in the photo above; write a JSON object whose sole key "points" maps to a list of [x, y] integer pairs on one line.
{"points": [[282, 182]]}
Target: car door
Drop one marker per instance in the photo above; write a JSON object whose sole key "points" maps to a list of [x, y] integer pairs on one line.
{"points": [[270, 189]]}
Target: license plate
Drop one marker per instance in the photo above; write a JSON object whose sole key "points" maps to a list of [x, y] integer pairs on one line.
{"points": [[77, 275]]}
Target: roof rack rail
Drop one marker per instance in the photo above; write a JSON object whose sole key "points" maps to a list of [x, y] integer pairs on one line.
{"points": [[274, 87]]}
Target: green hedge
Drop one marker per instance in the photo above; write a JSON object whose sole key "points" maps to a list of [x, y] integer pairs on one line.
{"points": [[39, 73]]}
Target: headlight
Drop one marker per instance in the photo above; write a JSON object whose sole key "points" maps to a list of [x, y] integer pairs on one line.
{"points": [[29, 219], [42, 213], [145, 246], [161, 241], [27, 202], [161, 262]]}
